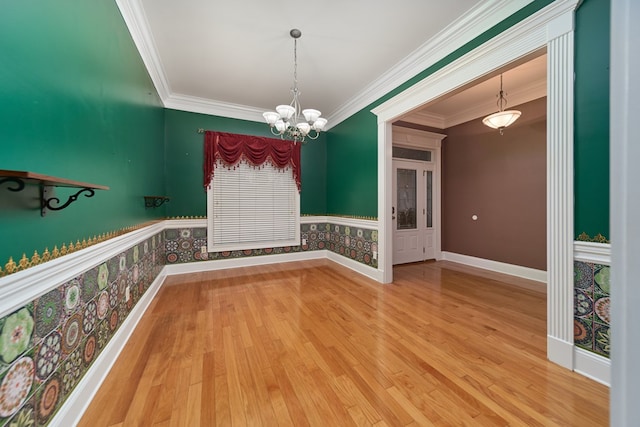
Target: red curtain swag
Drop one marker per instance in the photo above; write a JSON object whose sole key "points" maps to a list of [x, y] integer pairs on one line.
{"points": [[232, 148]]}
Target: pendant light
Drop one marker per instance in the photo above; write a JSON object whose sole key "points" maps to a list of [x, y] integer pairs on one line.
{"points": [[502, 118], [291, 121]]}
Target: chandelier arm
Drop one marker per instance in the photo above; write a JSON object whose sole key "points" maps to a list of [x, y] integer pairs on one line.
{"points": [[274, 133], [317, 134]]}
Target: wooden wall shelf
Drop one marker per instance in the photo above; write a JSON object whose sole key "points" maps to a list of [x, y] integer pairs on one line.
{"points": [[18, 180]]}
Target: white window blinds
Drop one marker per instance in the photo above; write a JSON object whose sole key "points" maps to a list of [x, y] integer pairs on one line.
{"points": [[252, 208]]}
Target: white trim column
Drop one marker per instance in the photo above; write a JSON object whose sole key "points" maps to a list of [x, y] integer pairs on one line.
{"points": [[560, 193], [385, 196]]}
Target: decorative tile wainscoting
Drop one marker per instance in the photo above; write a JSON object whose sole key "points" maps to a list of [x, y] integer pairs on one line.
{"points": [[49, 342], [591, 307], [354, 240]]}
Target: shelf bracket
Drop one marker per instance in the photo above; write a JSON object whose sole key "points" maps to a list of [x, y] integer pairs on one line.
{"points": [[19, 179], [54, 203], [20, 183], [155, 201]]}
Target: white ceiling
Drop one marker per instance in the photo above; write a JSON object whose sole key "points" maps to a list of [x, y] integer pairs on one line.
{"points": [[235, 58]]}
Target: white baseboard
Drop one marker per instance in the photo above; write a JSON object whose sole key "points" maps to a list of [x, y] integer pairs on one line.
{"points": [[221, 264], [500, 267], [340, 220], [73, 408], [356, 266], [592, 365], [560, 352]]}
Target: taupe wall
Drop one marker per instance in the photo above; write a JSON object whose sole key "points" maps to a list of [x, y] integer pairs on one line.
{"points": [[502, 180]]}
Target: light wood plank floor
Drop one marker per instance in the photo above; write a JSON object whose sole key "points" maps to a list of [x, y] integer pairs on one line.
{"points": [[313, 343]]}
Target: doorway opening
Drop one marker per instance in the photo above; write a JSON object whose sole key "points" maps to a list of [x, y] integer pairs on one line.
{"points": [[552, 29], [494, 183]]}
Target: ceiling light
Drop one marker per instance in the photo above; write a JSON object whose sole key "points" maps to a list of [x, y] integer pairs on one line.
{"points": [[502, 118], [290, 121]]}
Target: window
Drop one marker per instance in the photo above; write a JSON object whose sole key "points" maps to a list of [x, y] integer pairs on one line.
{"points": [[252, 207], [253, 192]]}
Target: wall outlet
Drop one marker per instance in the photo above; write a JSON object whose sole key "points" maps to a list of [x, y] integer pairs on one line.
{"points": [[304, 242], [127, 293], [203, 250], [375, 254]]}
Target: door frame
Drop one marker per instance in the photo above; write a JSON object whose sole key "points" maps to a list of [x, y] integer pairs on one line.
{"points": [[431, 141], [550, 28]]}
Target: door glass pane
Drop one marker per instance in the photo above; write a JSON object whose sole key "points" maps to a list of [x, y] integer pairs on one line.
{"points": [[406, 199], [429, 199], [408, 153]]}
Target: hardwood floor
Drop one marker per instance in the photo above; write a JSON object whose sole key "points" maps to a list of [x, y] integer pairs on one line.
{"points": [[313, 343]]}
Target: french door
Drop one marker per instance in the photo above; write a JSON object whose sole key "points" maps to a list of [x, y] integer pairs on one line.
{"points": [[413, 211]]}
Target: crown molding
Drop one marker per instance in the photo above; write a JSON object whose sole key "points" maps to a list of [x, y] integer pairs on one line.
{"points": [[415, 138], [195, 104], [134, 17], [427, 118], [469, 26]]}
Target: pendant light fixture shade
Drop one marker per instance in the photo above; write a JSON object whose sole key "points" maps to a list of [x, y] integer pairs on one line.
{"points": [[502, 118]]}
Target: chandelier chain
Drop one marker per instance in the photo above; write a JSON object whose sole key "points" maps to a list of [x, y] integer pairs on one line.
{"points": [[295, 65], [502, 100]]}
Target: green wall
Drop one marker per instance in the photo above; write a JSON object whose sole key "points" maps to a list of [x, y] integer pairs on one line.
{"points": [[184, 158], [352, 144], [591, 150], [77, 103], [352, 177]]}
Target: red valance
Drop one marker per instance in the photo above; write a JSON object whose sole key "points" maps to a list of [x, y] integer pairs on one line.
{"points": [[232, 148]]}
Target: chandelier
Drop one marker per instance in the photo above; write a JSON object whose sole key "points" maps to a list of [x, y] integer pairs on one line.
{"points": [[291, 121], [502, 118]]}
